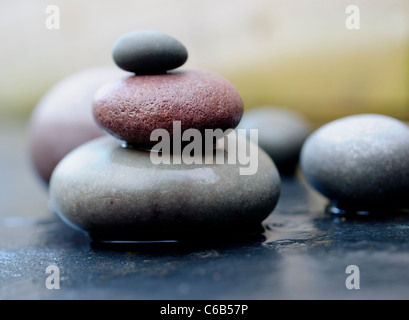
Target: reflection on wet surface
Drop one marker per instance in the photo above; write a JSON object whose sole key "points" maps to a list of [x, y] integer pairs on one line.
{"points": [[302, 254]]}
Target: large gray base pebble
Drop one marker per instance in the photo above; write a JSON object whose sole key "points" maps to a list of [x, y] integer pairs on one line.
{"points": [[117, 193]]}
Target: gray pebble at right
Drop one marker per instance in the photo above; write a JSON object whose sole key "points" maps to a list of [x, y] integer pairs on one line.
{"points": [[360, 161]]}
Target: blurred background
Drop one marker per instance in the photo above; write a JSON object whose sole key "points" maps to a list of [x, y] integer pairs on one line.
{"points": [[298, 54]]}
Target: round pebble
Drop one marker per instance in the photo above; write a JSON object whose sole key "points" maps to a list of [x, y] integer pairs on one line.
{"points": [[130, 109], [63, 119], [281, 133], [117, 193], [148, 52], [360, 161]]}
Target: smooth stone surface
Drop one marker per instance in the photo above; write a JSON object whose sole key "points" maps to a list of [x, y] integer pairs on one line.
{"points": [[360, 161], [148, 52], [281, 133], [131, 108], [63, 119], [117, 193]]}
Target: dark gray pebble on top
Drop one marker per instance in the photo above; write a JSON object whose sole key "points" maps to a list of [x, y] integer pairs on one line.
{"points": [[148, 52]]}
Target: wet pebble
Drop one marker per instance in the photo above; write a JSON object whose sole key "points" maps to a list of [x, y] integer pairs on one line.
{"points": [[117, 193], [360, 162]]}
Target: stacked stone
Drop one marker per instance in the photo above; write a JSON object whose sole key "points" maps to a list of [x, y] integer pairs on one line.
{"points": [[113, 191]]}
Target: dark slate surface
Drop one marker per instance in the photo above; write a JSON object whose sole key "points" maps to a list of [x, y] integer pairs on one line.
{"points": [[302, 255]]}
